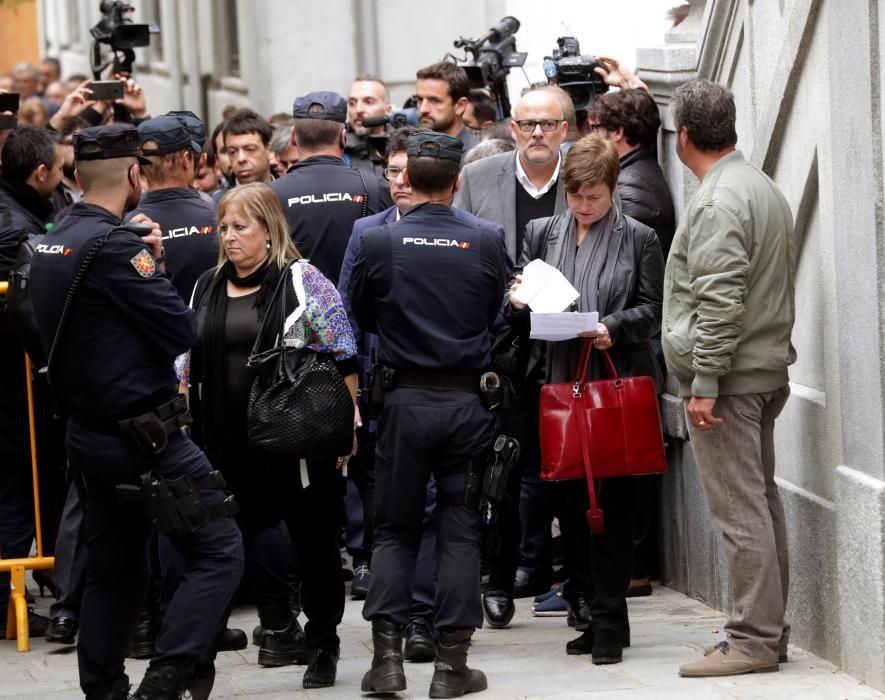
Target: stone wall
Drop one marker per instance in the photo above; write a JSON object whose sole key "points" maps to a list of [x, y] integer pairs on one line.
{"points": [[809, 115]]}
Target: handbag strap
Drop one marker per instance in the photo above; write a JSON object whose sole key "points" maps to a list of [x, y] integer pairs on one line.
{"points": [[595, 516], [283, 275]]}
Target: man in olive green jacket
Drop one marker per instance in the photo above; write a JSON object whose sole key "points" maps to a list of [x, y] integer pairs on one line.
{"points": [[728, 315]]}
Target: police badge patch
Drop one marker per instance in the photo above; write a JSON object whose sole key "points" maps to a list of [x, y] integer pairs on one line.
{"points": [[144, 264]]}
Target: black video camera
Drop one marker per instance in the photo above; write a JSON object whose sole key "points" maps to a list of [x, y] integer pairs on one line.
{"points": [[118, 31], [493, 55], [574, 73]]}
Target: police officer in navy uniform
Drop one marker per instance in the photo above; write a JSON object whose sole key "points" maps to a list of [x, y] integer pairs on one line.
{"points": [[430, 285], [113, 374], [186, 220], [320, 195]]}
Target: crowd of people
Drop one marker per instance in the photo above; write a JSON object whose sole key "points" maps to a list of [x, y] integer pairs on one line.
{"points": [[157, 269]]}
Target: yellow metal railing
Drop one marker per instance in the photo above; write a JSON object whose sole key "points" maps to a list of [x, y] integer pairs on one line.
{"points": [[17, 615]]}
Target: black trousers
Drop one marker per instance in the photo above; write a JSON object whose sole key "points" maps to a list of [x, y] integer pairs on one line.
{"points": [[70, 557], [423, 432], [116, 575], [522, 535], [598, 566], [359, 499]]}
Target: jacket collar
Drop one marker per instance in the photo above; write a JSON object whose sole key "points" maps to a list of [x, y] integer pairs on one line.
{"points": [[168, 193], [641, 153], [28, 200]]}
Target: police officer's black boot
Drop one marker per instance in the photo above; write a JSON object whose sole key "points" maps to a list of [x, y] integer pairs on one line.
{"points": [[118, 691], [160, 683], [387, 674], [282, 639], [451, 677], [141, 643]]}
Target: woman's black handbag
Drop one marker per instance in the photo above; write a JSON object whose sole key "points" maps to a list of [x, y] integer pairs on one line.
{"points": [[299, 404]]}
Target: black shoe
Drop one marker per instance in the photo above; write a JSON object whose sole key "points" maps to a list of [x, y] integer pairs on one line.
{"points": [[419, 643], [639, 588], [578, 613], [141, 643], [584, 643], [232, 640], [118, 691], [258, 635], [159, 683], [386, 674], [359, 587], [322, 669], [204, 681], [283, 647], [61, 630], [37, 624], [608, 646], [451, 676], [498, 609], [528, 584]]}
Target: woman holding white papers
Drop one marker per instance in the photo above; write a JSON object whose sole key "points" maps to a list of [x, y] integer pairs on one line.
{"points": [[616, 265]]}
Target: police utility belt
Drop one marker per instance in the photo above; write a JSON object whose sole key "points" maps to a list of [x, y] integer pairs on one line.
{"points": [[173, 506], [383, 379]]}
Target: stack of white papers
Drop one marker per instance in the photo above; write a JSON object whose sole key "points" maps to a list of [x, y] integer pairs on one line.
{"points": [[544, 288], [564, 326]]}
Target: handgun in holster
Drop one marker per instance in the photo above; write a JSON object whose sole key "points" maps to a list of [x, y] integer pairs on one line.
{"points": [[505, 455], [175, 506], [380, 381]]}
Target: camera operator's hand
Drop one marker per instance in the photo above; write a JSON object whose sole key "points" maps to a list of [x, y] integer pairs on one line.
{"points": [[618, 75], [133, 97], [154, 240], [73, 106]]}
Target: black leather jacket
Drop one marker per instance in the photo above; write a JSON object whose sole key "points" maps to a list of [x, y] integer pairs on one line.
{"points": [[630, 291], [645, 195]]}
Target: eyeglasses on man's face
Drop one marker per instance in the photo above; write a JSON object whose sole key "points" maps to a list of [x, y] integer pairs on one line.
{"points": [[527, 126], [392, 173]]}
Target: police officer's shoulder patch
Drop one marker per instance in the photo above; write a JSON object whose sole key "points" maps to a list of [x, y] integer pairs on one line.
{"points": [[144, 264]]}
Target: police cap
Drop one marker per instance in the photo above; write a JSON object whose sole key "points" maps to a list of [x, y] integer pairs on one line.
{"points": [[113, 141], [194, 125], [433, 144], [321, 105], [170, 134]]}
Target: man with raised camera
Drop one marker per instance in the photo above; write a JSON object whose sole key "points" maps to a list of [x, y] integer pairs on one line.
{"points": [[320, 196]]}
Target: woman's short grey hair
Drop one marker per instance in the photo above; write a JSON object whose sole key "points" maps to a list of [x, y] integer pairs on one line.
{"points": [[707, 111], [492, 147], [281, 139]]}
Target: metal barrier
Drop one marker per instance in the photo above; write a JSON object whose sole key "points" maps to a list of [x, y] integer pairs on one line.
{"points": [[17, 615]]}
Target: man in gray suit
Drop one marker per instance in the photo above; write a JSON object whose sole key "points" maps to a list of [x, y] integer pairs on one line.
{"points": [[511, 189]]}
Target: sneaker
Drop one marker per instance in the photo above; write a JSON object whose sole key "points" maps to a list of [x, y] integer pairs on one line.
{"points": [[547, 594], [726, 661], [359, 587], [554, 606]]}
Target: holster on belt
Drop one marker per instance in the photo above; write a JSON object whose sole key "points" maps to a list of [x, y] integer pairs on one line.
{"points": [[148, 433], [175, 506], [380, 381], [505, 455]]}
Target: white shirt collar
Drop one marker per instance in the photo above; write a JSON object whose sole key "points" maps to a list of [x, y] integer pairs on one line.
{"points": [[527, 184]]}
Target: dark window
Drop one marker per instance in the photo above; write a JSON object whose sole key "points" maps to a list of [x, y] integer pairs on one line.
{"points": [[233, 38]]}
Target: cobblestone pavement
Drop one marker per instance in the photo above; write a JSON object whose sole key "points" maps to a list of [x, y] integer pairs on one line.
{"points": [[527, 660]]}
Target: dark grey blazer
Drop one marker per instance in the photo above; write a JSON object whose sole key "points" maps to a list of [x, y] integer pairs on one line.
{"points": [[488, 190]]}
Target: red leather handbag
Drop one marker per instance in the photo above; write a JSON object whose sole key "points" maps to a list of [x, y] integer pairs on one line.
{"points": [[599, 429]]}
